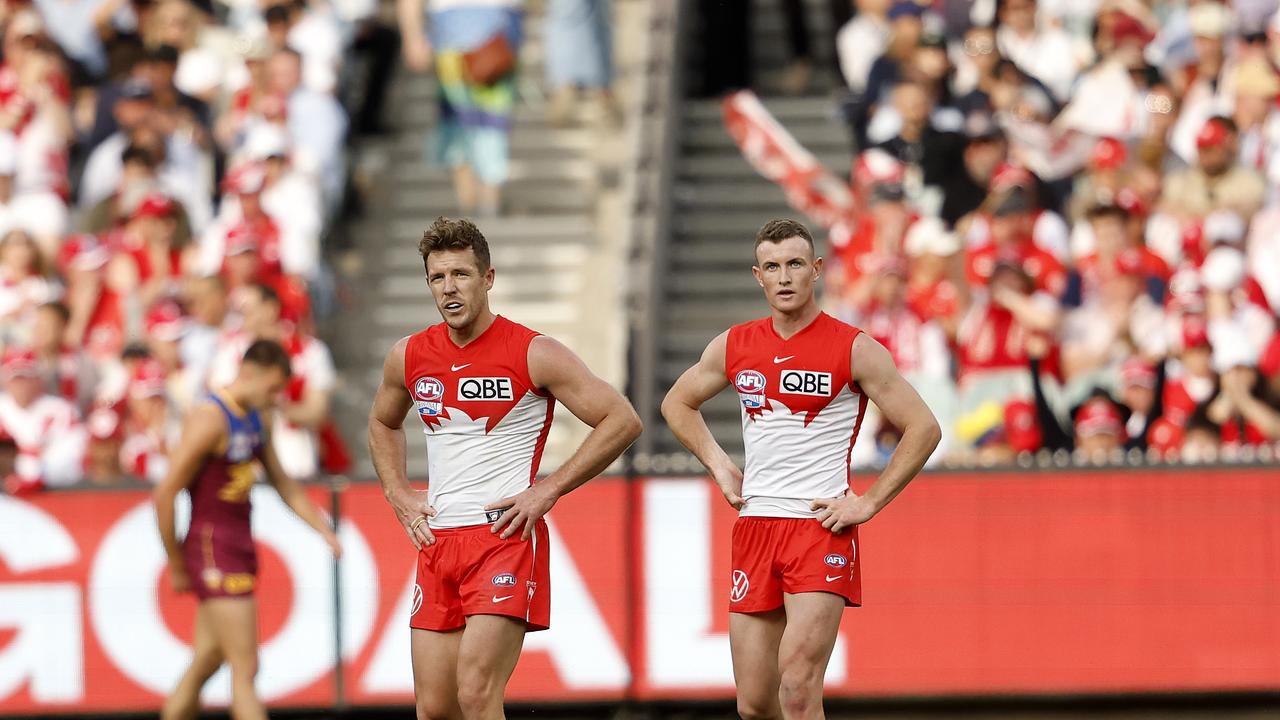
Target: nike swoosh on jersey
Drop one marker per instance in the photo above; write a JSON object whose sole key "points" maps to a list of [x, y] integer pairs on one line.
{"points": [[500, 599], [833, 579], [777, 359], [456, 368]]}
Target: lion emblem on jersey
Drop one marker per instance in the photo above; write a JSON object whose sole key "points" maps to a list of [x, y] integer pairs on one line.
{"points": [[750, 386], [428, 392]]}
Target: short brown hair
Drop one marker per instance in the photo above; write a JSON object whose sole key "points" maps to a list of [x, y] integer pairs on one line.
{"points": [[269, 354], [454, 234], [778, 230]]}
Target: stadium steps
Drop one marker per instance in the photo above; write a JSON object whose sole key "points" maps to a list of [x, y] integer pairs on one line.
{"points": [[719, 201], [557, 249]]}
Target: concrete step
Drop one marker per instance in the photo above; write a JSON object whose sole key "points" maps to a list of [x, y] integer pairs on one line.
{"points": [[569, 168], [815, 134], [717, 166], [785, 110]]}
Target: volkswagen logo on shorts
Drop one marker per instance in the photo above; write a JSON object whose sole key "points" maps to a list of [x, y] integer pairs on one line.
{"points": [[504, 580], [750, 386], [740, 586], [835, 560], [417, 600], [428, 391]]}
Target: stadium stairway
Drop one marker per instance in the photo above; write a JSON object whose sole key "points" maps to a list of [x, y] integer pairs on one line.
{"points": [[703, 281], [558, 247]]}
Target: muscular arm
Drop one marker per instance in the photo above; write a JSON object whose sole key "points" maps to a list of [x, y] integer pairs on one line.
{"points": [[901, 406], [293, 494], [387, 448], [202, 433], [614, 424], [681, 409]]}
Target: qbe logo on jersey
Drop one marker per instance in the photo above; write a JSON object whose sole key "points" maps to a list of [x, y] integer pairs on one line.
{"points": [[806, 382], [428, 391], [485, 388], [750, 386]]}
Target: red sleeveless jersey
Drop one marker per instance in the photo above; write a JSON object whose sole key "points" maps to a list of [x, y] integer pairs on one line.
{"points": [[801, 410], [486, 424]]}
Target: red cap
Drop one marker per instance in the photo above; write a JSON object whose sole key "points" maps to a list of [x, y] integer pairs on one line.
{"points": [[1131, 202], [165, 322], [1097, 416], [104, 423], [1109, 154], [1127, 27], [1195, 332], [1165, 436], [20, 362], [1020, 426], [245, 179], [1212, 134], [1137, 371], [242, 238], [154, 205], [83, 252], [148, 380], [1008, 175], [1269, 361]]}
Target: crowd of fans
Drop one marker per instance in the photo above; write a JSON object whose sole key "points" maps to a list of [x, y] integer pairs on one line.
{"points": [[168, 172], [1067, 221]]}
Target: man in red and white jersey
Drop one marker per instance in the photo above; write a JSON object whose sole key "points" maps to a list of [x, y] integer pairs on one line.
{"points": [[484, 389], [803, 379]]}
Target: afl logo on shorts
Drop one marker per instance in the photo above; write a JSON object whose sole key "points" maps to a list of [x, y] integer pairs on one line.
{"points": [[428, 391], [750, 385], [740, 586], [835, 560], [504, 580]]}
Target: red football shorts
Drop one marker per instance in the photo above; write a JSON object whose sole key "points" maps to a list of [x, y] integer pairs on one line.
{"points": [[772, 556], [221, 561], [472, 571]]}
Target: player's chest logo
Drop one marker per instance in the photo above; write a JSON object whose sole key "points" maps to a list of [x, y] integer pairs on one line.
{"points": [[485, 389], [240, 446], [750, 386], [805, 382], [428, 393]]}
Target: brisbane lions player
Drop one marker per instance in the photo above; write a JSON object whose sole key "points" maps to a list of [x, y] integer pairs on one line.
{"points": [[804, 379], [484, 389], [224, 446]]}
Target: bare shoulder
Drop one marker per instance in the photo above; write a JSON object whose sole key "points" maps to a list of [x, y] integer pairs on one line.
{"points": [[204, 425], [393, 364], [716, 351], [869, 359], [551, 360]]}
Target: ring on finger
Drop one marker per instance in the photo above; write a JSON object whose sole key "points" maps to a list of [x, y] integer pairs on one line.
{"points": [[414, 525]]}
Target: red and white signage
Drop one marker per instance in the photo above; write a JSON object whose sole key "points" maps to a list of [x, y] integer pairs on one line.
{"points": [[995, 583]]}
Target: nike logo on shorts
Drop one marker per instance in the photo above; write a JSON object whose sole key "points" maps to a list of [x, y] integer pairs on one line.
{"points": [[456, 368], [500, 599], [833, 578], [777, 359]]}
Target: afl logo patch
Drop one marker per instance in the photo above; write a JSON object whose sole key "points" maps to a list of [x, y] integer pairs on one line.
{"points": [[504, 580], [750, 386], [428, 391], [835, 560]]}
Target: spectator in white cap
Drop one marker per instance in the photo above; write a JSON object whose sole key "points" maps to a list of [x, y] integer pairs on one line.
{"points": [[932, 290]]}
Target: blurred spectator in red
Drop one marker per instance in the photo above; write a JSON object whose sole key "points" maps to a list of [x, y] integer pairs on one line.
{"points": [[1217, 181], [1199, 83], [147, 247], [102, 464], [1116, 318], [68, 371], [1141, 394], [1007, 233], [24, 286], [1195, 382], [932, 291], [1240, 409], [150, 427], [46, 429], [305, 408], [1099, 431], [97, 312]]}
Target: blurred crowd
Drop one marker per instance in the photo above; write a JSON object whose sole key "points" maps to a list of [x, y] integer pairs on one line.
{"points": [[169, 171], [1066, 221]]}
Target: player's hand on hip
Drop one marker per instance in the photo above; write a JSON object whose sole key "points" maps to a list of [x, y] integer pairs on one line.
{"points": [[413, 511], [838, 514], [729, 480], [522, 511], [179, 579]]}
